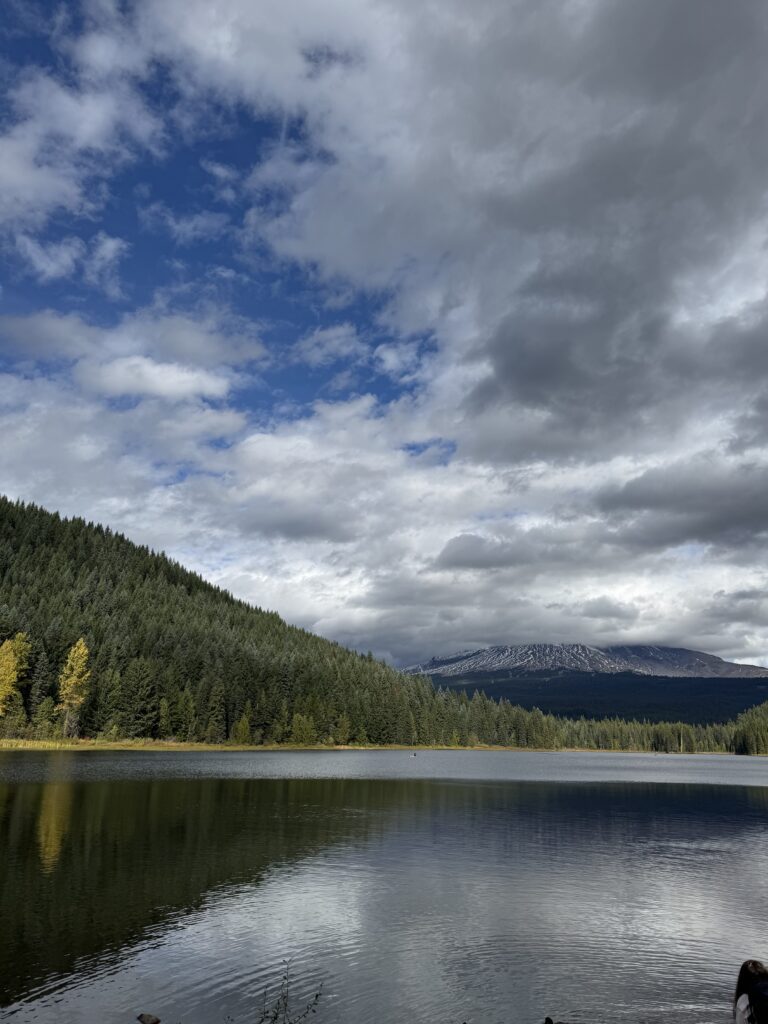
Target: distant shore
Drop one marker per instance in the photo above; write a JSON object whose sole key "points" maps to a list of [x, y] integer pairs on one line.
{"points": [[180, 746]]}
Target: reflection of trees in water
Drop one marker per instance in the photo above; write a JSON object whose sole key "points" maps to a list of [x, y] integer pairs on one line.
{"points": [[53, 822], [90, 866], [758, 798]]}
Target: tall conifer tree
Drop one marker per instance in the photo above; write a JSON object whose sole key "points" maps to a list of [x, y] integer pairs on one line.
{"points": [[43, 681], [140, 710]]}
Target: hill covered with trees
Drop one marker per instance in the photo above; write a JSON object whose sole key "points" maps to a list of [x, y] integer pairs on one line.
{"points": [[102, 637], [621, 695], [172, 655]]}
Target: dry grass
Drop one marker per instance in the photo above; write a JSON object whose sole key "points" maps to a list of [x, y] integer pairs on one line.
{"points": [[148, 744]]}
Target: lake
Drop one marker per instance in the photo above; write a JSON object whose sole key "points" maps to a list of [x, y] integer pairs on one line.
{"points": [[453, 886]]}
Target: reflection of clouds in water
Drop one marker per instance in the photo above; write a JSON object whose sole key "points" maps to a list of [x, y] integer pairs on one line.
{"points": [[221, 958], [484, 903], [306, 902], [634, 911], [508, 904]]}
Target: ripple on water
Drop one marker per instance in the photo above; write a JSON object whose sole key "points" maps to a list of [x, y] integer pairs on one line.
{"points": [[407, 899]]}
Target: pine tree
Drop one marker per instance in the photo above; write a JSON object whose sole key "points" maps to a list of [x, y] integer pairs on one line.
{"points": [[44, 719], [303, 730], [187, 717], [43, 681], [241, 733], [164, 729], [139, 713], [73, 687], [216, 729], [110, 703], [279, 725], [9, 623], [342, 730]]}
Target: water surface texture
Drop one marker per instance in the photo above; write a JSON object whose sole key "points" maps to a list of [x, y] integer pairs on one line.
{"points": [[450, 887]]}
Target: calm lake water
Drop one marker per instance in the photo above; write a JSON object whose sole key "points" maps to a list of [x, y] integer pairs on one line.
{"points": [[458, 886]]}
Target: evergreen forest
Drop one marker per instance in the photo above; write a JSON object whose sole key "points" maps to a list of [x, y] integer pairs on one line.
{"points": [[100, 637]]}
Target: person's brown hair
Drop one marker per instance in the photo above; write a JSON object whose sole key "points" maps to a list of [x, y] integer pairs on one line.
{"points": [[751, 972]]}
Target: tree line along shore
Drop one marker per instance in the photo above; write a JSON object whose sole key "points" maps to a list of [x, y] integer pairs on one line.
{"points": [[35, 713], [104, 639]]}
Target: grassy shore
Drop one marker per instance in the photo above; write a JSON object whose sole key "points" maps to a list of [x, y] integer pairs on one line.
{"points": [[147, 744], [164, 745]]}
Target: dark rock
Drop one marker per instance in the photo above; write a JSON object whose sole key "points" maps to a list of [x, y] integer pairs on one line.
{"points": [[148, 1018]]}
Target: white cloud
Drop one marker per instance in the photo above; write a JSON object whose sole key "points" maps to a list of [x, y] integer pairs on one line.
{"points": [[84, 120], [101, 265], [328, 519], [60, 138], [206, 337], [398, 360], [185, 229], [51, 260], [140, 375], [48, 335], [98, 260], [328, 345], [221, 172], [226, 180], [30, 188]]}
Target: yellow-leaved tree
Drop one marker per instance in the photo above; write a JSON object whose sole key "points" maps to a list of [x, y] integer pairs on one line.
{"points": [[14, 662], [73, 687]]}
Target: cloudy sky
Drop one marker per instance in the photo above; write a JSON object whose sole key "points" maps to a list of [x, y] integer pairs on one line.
{"points": [[429, 325]]}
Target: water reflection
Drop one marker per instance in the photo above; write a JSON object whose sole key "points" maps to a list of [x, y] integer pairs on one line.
{"points": [[411, 900], [90, 866]]}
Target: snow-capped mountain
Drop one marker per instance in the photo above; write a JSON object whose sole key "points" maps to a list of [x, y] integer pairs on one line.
{"points": [[521, 659]]}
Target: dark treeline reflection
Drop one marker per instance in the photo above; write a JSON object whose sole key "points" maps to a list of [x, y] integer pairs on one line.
{"points": [[90, 867]]}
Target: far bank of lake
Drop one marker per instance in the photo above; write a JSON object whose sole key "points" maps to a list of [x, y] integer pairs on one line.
{"points": [[181, 746]]}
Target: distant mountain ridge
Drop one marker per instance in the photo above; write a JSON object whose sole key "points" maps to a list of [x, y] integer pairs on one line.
{"points": [[644, 659]]}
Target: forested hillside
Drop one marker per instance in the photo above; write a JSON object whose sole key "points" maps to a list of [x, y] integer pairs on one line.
{"points": [[621, 695], [101, 637], [172, 655]]}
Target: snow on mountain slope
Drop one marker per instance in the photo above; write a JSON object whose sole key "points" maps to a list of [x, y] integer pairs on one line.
{"points": [[521, 659]]}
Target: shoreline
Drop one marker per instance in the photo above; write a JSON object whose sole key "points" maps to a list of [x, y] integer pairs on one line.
{"points": [[162, 746]]}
